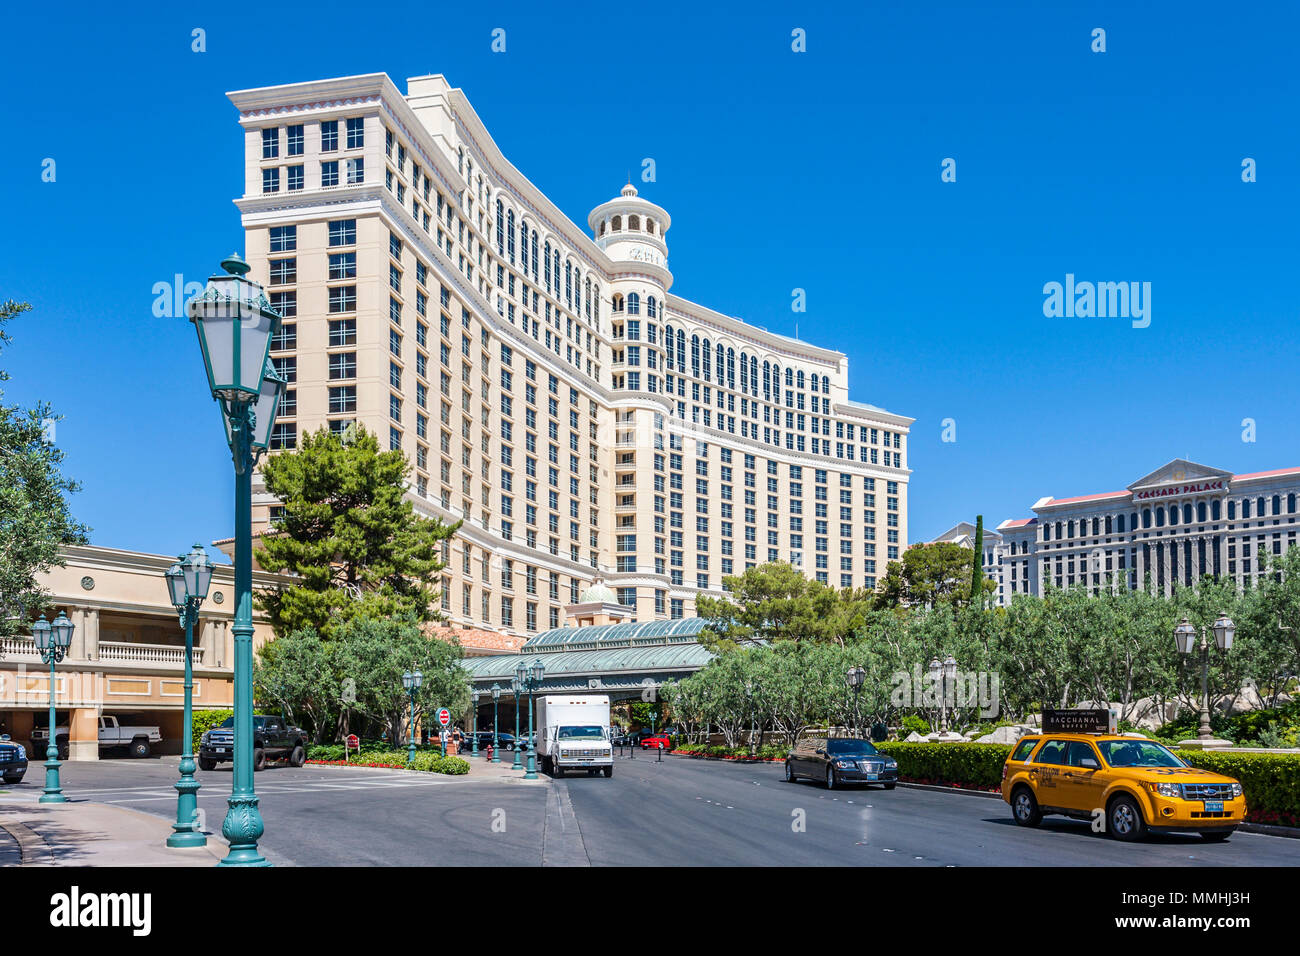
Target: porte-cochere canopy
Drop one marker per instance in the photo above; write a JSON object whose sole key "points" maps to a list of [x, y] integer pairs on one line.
{"points": [[620, 659]]}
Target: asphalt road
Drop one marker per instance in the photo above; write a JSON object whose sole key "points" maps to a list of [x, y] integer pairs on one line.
{"points": [[680, 812]]}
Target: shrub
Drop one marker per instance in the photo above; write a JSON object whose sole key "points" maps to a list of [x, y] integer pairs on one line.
{"points": [[971, 765], [205, 720], [324, 751], [913, 723], [1271, 781]]}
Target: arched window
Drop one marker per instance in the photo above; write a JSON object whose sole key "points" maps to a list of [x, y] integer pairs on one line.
{"points": [[681, 350], [776, 384], [1232, 510], [731, 367], [1160, 517], [1070, 529], [618, 302], [501, 236], [753, 375], [767, 381], [568, 284], [587, 298], [1201, 511], [789, 378], [634, 222], [1216, 512], [617, 224], [633, 304], [1277, 505], [547, 264], [695, 355], [510, 236], [1290, 504], [1260, 511], [1187, 514], [1119, 524], [534, 241], [826, 385], [1245, 507], [708, 361], [814, 383], [523, 247], [798, 379], [668, 341], [651, 308], [1059, 528], [601, 231], [744, 372], [650, 226]]}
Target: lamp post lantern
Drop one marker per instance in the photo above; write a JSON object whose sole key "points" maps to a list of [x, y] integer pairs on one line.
{"points": [[854, 677], [235, 324], [517, 687], [474, 740], [187, 583], [531, 679], [52, 640], [411, 680], [944, 675], [1185, 640]]}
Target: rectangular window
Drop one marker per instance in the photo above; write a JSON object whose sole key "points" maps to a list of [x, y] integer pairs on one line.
{"points": [[271, 143], [284, 238], [343, 232], [329, 136], [295, 140], [343, 332], [343, 299], [356, 171], [343, 399], [271, 180], [356, 133], [329, 173], [343, 365], [296, 178]]}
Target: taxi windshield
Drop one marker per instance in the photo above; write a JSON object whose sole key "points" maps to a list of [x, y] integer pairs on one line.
{"points": [[1138, 753]]}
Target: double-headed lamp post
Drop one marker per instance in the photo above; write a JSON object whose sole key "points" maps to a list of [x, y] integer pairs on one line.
{"points": [[473, 698], [52, 640], [187, 582], [496, 743], [530, 678], [854, 677], [411, 680], [944, 674], [235, 324], [1185, 638]]}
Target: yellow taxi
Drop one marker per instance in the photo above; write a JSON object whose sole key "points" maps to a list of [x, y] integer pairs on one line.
{"points": [[1124, 785]]}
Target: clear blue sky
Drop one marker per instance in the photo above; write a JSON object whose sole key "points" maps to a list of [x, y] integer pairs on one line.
{"points": [[818, 170]]}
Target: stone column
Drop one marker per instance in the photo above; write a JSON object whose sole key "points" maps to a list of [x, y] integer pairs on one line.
{"points": [[90, 631]]}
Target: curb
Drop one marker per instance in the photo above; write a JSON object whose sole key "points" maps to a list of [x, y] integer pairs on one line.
{"points": [[1264, 829], [426, 773], [30, 843]]}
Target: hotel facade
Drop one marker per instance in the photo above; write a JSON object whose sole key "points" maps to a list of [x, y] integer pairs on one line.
{"points": [[550, 391], [1172, 527]]}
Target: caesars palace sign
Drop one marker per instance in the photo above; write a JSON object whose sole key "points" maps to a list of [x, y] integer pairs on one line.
{"points": [[1192, 489]]}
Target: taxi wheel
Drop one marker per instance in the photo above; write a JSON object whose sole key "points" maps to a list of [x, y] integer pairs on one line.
{"points": [[1217, 836], [1025, 808], [1125, 820]]}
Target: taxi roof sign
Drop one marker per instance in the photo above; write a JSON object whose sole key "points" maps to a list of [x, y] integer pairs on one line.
{"points": [[1081, 720]]}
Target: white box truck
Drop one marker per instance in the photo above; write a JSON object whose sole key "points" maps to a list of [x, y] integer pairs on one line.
{"points": [[573, 734]]}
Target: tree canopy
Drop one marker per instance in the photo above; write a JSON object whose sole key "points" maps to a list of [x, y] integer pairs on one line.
{"points": [[930, 575], [349, 536]]}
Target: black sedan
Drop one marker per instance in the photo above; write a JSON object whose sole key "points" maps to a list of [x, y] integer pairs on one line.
{"points": [[505, 741], [836, 761]]}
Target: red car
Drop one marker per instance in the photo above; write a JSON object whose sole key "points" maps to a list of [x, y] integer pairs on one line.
{"points": [[655, 742]]}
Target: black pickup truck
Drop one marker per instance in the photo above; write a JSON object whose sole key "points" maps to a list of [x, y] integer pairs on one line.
{"points": [[273, 739]]}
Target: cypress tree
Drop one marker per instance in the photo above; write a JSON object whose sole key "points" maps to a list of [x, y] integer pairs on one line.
{"points": [[977, 572]]}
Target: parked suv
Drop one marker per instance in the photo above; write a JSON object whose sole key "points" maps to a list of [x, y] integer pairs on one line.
{"points": [[13, 760], [273, 739]]}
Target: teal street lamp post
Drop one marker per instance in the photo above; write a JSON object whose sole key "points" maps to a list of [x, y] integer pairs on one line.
{"points": [[474, 739], [496, 743], [52, 640], [530, 678], [517, 688], [1185, 639], [188, 581], [411, 680], [235, 324], [854, 678]]}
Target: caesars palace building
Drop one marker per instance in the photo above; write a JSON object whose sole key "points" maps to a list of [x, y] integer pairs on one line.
{"points": [[548, 389], [1175, 525]]}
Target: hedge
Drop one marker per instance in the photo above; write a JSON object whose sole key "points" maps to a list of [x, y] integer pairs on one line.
{"points": [[958, 765], [1271, 781], [429, 761], [766, 752], [205, 720]]}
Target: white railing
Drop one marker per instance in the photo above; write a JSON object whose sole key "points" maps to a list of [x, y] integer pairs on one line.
{"points": [[19, 648], [146, 653]]}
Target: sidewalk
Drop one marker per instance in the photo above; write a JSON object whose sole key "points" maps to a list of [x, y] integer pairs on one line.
{"points": [[81, 833], [479, 769]]}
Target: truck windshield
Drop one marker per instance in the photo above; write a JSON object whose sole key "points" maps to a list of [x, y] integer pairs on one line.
{"points": [[582, 733], [258, 721]]}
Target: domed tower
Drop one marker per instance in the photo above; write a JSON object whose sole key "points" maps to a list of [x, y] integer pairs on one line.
{"points": [[632, 230]]}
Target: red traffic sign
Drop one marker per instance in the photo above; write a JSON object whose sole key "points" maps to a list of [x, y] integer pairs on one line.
{"points": [[444, 716], [354, 741]]}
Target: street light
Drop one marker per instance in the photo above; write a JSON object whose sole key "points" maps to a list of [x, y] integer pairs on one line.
{"points": [[496, 744], [517, 687], [854, 677], [187, 583], [1185, 640], [411, 680], [235, 324], [530, 678], [474, 700], [943, 674], [52, 640]]}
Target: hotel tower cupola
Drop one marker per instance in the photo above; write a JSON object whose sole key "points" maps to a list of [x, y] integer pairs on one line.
{"points": [[631, 230]]}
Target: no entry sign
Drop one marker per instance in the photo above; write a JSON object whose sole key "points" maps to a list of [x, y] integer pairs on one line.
{"points": [[444, 716]]}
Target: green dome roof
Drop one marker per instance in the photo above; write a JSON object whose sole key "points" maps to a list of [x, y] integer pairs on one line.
{"points": [[598, 593]]}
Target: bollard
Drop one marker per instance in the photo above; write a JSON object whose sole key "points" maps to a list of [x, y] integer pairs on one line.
{"points": [[661, 753]]}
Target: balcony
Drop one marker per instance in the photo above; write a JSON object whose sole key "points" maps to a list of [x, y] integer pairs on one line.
{"points": [[118, 652]]}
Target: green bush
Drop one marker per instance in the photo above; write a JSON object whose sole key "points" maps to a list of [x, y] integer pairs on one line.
{"points": [[968, 765], [205, 720], [435, 762], [324, 751], [913, 723]]}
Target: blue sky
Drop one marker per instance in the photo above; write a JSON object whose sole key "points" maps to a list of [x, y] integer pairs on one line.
{"points": [[781, 170]]}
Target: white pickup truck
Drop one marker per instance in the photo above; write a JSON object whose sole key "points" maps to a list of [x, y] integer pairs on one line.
{"points": [[573, 734], [137, 739]]}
